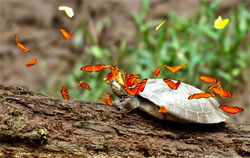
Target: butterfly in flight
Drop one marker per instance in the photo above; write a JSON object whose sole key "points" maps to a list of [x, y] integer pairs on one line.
{"points": [[109, 99], [69, 11], [208, 79], [174, 68], [220, 24], [84, 85], [21, 46], [65, 93], [31, 63], [230, 109]]}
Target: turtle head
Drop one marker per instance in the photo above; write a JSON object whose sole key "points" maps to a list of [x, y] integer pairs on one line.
{"points": [[118, 89]]}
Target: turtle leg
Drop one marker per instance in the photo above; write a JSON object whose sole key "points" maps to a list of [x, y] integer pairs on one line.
{"points": [[127, 104]]}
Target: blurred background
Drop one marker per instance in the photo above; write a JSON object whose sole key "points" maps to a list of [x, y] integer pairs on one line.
{"points": [[125, 30]]}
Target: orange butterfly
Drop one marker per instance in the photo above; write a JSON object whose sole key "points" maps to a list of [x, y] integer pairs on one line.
{"points": [[219, 91], [21, 46], [163, 109], [171, 84], [136, 90], [201, 95], [109, 99], [232, 110], [157, 71], [65, 34], [32, 62], [114, 72], [64, 93], [94, 68], [131, 79], [208, 79], [108, 77], [132, 91], [174, 68], [141, 85], [84, 85]]}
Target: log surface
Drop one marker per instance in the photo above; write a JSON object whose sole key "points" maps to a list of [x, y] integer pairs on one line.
{"points": [[85, 129]]}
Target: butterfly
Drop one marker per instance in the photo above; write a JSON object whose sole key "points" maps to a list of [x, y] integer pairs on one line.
{"points": [[160, 25], [109, 99], [21, 46], [174, 68], [208, 79], [65, 34], [171, 84], [157, 71], [201, 95], [69, 11], [84, 85], [94, 68], [232, 110], [219, 91], [220, 24], [131, 79], [163, 109], [64, 93], [32, 62], [137, 89], [109, 75]]}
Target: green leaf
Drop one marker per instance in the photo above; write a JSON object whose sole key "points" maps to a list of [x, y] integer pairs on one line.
{"points": [[145, 5], [96, 51]]}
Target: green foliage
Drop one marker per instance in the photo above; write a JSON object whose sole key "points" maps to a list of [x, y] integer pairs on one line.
{"points": [[193, 41]]}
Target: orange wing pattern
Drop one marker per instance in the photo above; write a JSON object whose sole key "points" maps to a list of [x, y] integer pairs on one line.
{"points": [[64, 93], [219, 91], [84, 85], [163, 109], [94, 68], [131, 79], [141, 85], [139, 88], [232, 110], [157, 71], [65, 34], [201, 95], [171, 84], [225, 94], [114, 72], [174, 68], [32, 62], [109, 99], [208, 79], [21, 46], [108, 77]]}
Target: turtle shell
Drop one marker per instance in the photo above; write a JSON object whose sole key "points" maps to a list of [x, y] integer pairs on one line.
{"points": [[180, 108]]}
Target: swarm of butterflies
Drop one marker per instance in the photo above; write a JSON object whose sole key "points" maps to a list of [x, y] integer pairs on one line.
{"points": [[133, 85]]}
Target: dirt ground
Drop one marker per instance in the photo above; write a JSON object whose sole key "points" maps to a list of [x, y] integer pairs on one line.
{"points": [[37, 24]]}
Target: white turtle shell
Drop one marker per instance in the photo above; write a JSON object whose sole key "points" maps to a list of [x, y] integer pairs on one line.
{"points": [[204, 110]]}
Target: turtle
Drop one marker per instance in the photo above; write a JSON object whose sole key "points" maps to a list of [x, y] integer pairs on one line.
{"points": [[157, 93]]}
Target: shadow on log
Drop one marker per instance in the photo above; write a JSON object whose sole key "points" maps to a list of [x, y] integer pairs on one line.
{"points": [[85, 129]]}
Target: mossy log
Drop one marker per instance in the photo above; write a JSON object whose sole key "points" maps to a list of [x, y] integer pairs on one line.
{"points": [[85, 129]]}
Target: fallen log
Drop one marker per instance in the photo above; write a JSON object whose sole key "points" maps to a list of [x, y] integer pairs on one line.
{"points": [[34, 125]]}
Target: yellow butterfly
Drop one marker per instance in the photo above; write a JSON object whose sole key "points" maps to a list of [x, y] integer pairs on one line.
{"points": [[162, 23], [67, 10], [220, 24]]}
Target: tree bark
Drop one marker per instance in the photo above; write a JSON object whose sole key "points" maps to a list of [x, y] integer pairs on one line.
{"points": [[85, 129]]}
